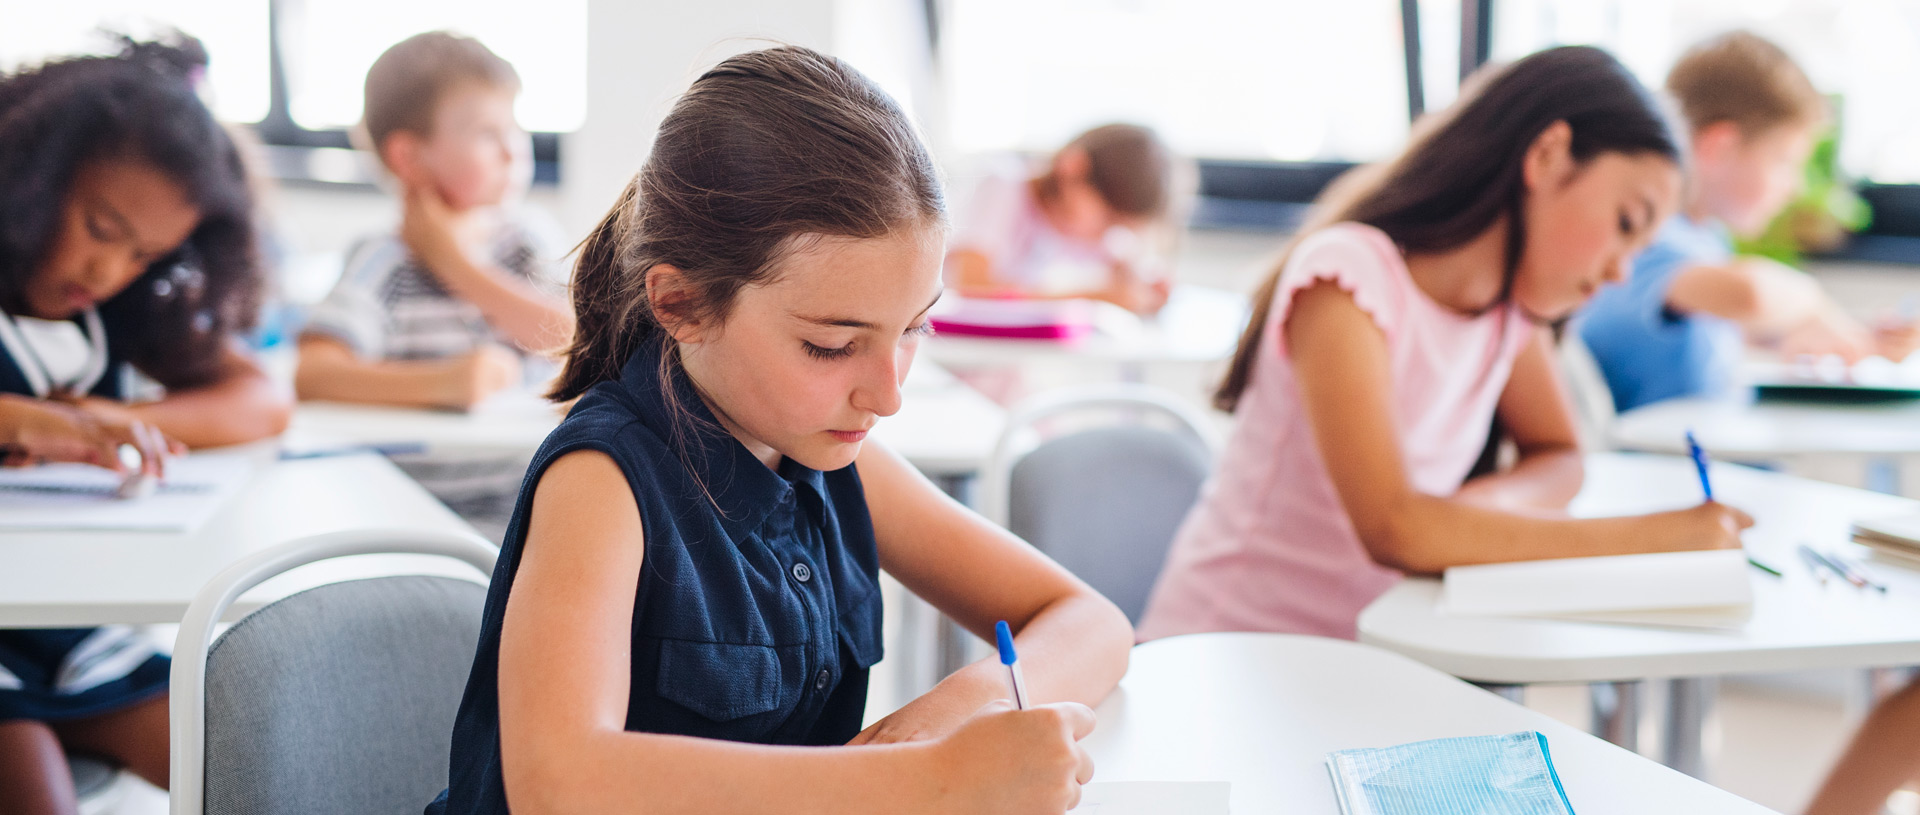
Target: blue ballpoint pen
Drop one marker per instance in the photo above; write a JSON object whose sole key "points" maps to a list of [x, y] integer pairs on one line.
{"points": [[1700, 463], [1012, 661], [1706, 486]]}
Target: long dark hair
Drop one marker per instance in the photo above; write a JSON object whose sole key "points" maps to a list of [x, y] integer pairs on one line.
{"points": [[1462, 172], [138, 105], [766, 147]]}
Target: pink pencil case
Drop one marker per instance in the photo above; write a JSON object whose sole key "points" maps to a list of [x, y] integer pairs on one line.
{"points": [[1015, 319]]}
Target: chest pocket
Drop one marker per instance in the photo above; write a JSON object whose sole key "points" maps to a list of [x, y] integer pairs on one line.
{"points": [[733, 691]]}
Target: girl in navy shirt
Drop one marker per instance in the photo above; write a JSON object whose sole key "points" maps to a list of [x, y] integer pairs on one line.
{"points": [[125, 244], [687, 602]]}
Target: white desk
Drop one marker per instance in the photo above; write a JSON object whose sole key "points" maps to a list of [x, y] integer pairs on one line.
{"points": [[1771, 430], [1797, 623], [944, 427], [1198, 325], [1263, 710], [71, 579]]}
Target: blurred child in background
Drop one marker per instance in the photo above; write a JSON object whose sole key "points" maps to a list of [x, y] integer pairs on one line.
{"points": [[1679, 325], [1096, 222]]}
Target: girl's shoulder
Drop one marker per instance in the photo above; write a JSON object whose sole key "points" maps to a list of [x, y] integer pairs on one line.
{"points": [[1359, 259]]}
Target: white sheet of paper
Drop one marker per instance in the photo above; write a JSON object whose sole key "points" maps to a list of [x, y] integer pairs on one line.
{"points": [[1154, 798], [77, 497], [1621, 583]]}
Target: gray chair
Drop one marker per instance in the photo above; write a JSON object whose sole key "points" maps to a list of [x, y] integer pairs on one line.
{"points": [[1102, 499], [339, 699]]}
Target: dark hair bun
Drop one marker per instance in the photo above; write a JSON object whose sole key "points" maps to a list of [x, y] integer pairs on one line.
{"points": [[172, 53]]}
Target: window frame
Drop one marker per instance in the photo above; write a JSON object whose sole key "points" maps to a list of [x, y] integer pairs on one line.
{"points": [[288, 141]]}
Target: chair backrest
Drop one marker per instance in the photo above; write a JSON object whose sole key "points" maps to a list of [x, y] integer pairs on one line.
{"points": [[339, 699], [1593, 405], [1102, 501]]}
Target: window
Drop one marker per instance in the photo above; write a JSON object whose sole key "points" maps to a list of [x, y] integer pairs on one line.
{"points": [[1865, 51], [233, 31], [328, 46], [1267, 80]]}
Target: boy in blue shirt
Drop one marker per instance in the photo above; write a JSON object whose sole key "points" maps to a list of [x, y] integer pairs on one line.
{"points": [[1679, 326]]}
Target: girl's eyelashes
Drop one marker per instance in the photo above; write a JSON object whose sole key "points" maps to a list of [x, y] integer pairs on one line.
{"points": [[818, 352], [1626, 224], [97, 230], [922, 330]]}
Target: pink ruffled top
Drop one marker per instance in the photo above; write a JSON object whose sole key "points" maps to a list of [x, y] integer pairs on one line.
{"points": [[1269, 547]]}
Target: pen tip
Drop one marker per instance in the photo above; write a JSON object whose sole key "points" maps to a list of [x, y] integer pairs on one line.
{"points": [[1005, 637]]}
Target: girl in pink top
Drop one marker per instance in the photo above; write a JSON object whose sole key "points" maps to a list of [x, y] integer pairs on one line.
{"points": [[1392, 335]]}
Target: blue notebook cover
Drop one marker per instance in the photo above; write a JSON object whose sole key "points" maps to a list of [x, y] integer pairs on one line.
{"points": [[1475, 775]]}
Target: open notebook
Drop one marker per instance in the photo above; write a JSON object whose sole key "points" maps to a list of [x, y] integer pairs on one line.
{"points": [[1691, 589], [80, 498]]}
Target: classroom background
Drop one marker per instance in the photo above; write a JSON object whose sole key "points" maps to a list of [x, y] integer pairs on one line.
{"points": [[1272, 98]]}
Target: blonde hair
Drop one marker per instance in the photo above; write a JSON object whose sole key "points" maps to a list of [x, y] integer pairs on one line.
{"points": [[409, 79], [1742, 78]]}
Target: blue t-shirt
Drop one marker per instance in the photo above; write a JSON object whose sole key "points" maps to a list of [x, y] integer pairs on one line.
{"points": [[757, 606], [1649, 352]]}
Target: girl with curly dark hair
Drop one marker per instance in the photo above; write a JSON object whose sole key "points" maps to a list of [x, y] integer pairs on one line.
{"points": [[126, 244]]}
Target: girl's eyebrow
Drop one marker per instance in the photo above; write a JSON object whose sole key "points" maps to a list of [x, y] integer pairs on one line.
{"points": [[849, 322]]}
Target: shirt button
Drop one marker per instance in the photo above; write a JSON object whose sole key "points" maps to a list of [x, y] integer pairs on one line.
{"points": [[802, 573], [787, 496], [820, 682]]}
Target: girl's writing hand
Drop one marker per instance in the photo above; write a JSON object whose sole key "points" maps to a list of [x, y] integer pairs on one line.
{"points": [[33, 431], [1017, 762], [1711, 525]]}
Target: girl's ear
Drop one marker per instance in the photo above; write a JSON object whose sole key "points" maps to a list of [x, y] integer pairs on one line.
{"points": [[670, 296], [1549, 159]]}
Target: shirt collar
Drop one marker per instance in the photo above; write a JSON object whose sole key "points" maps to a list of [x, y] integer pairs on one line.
{"points": [[739, 485]]}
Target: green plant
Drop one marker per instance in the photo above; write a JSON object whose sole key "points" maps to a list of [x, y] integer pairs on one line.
{"points": [[1821, 216]]}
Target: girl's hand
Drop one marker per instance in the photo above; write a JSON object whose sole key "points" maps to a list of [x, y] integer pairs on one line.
{"points": [[1017, 762], [1711, 525], [33, 431]]}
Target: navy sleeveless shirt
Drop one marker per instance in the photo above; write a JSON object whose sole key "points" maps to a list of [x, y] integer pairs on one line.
{"points": [[757, 607]]}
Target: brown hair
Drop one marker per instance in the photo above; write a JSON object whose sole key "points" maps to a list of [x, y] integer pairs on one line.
{"points": [[1742, 78], [1461, 173], [765, 150], [409, 79], [1134, 172]]}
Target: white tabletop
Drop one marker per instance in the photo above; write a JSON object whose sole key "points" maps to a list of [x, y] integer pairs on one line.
{"points": [[1798, 623], [55, 579], [1771, 429], [944, 427], [1262, 711], [1198, 325]]}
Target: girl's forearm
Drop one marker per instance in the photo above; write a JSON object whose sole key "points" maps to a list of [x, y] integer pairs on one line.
{"points": [[1428, 534], [1541, 481], [1074, 650], [240, 408], [624, 772]]}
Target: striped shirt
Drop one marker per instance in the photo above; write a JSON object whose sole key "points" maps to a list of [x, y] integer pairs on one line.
{"points": [[388, 305]]}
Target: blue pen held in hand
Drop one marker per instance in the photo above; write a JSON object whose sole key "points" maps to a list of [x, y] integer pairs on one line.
{"points": [[1700, 463], [1012, 661], [1706, 486]]}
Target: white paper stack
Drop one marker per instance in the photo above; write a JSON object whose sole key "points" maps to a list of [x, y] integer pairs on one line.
{"points": [[1710, 589]]}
